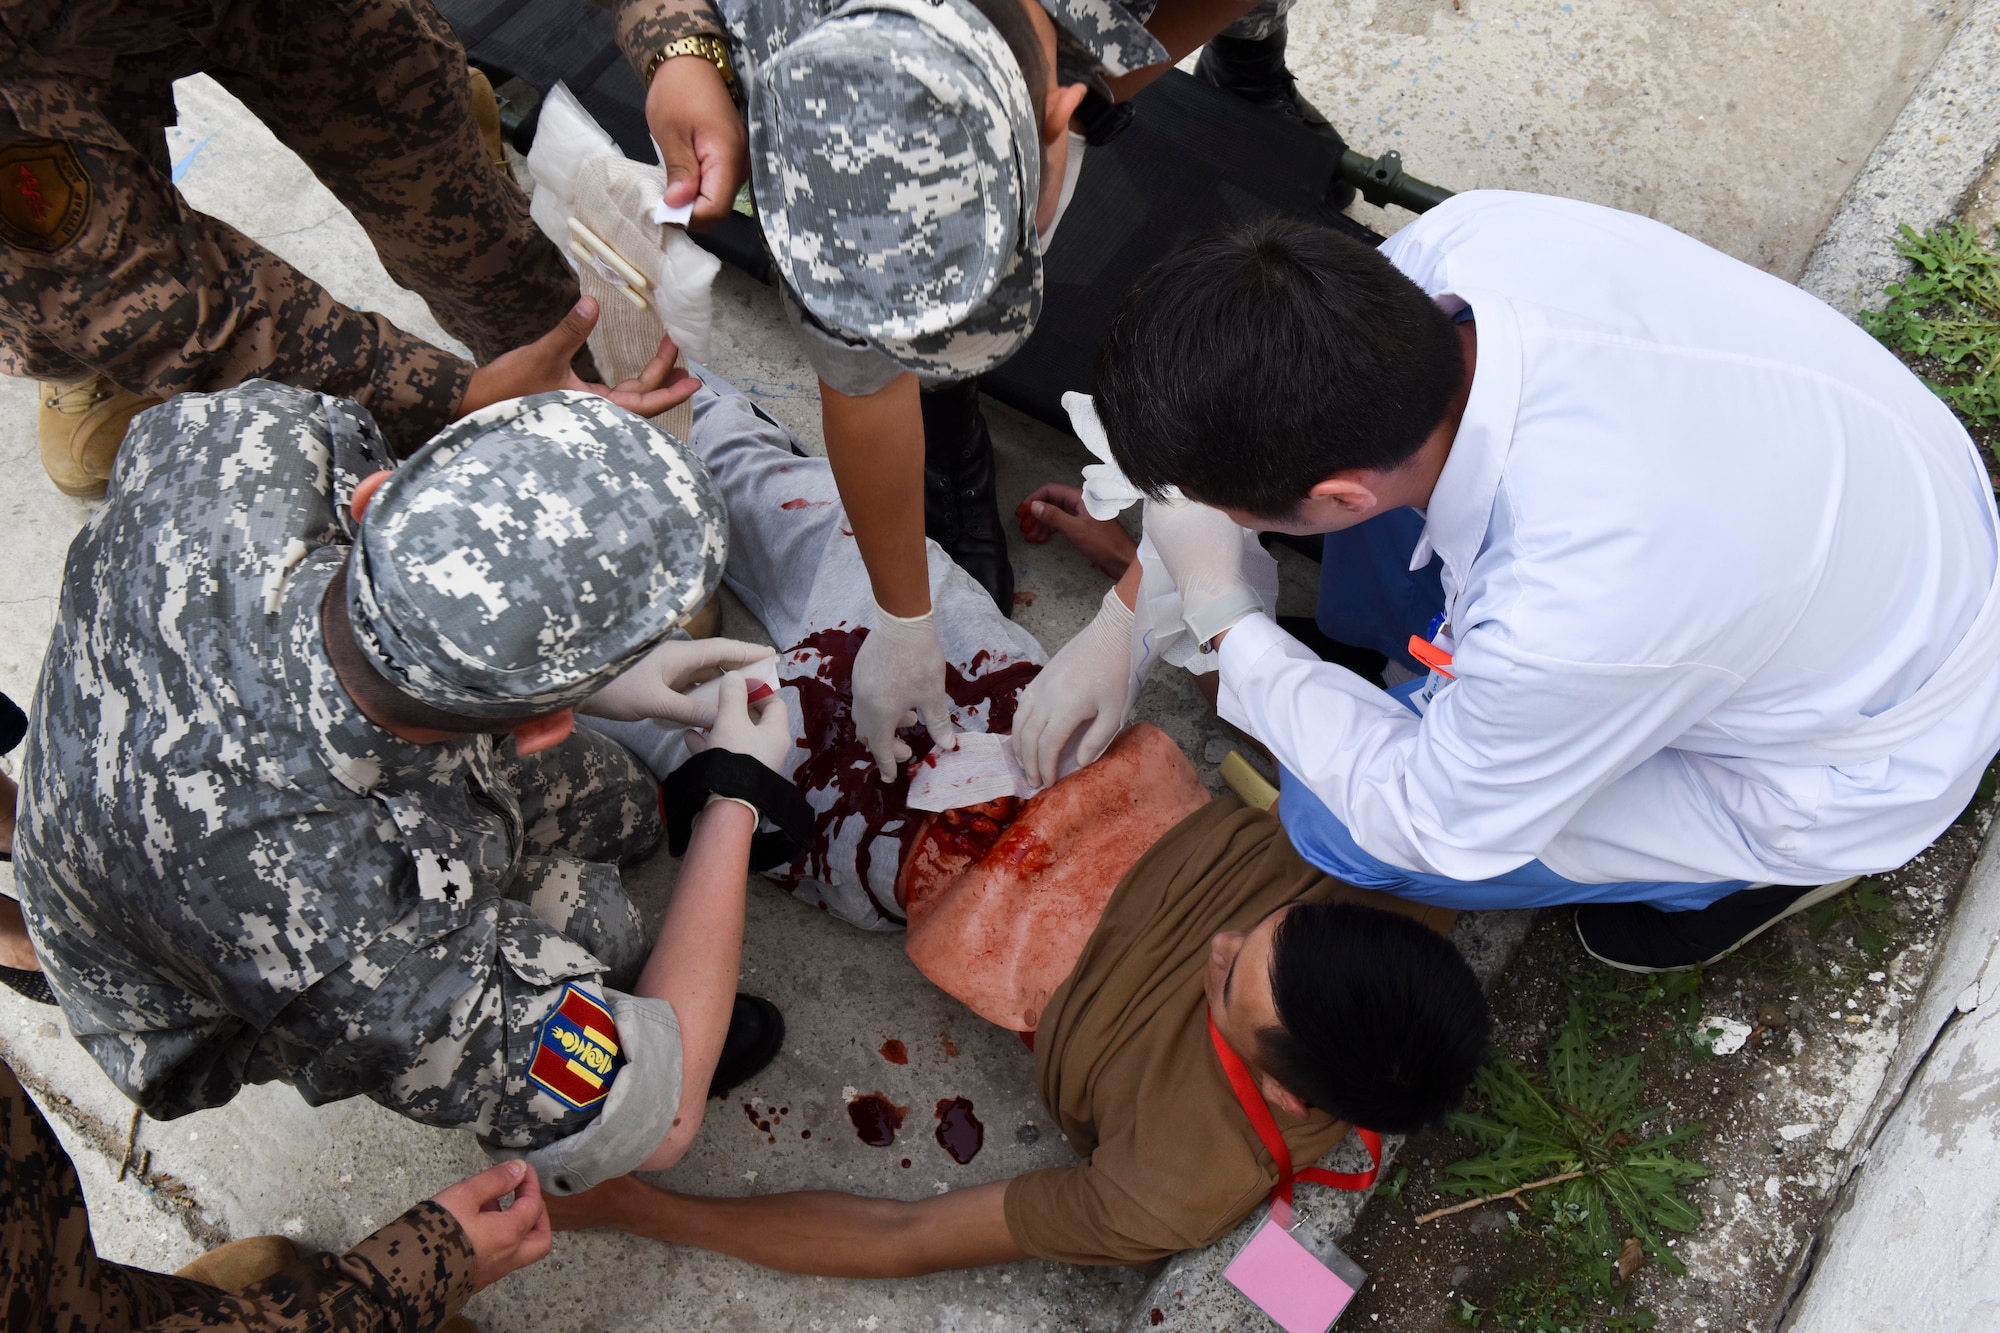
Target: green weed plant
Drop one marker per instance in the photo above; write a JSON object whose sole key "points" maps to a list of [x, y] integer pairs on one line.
{"points": [[1872, 911], [1947, 312], [1581, 1115]]}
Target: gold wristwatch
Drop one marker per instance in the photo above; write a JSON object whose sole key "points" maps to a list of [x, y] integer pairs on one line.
{"points": [[706, 45]]}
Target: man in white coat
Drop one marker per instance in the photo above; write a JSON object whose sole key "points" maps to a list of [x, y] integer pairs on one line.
{"points": [[1701, 578]]}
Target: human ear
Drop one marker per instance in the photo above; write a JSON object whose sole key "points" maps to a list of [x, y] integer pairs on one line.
{"points": [[1062, 103], [1347, 490], [543, 733], [364, 491], [1282, 1097]]}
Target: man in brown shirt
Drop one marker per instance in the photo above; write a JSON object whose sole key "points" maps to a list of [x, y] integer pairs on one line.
{"points": [[1221, 917], [1112, 913]]}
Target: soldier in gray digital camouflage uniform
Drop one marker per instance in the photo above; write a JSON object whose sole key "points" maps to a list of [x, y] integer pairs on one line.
{"points": [[910, 160], [271, 826]]}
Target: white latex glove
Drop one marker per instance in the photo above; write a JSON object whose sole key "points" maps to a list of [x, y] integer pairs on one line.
{"points": [[1087, 684], [763, 733], [651, 687], [899, 678], [1202, 549]]}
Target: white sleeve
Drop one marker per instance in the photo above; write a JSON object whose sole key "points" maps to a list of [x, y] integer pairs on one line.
{"points": [[1505, 756]]}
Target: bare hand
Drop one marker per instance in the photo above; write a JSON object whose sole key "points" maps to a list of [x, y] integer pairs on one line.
{"points": [[701, 137], [502, 1239], [544, 365], [1055, 509]]}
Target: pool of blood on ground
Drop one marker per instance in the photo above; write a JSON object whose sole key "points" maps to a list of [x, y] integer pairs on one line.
{"points": [[837, 760], [876, 1119], [958, 1130], [895, 1052]]}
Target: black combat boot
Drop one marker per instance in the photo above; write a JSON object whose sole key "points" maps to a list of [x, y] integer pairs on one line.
{"points": [[1254, 70], [961, 510]]}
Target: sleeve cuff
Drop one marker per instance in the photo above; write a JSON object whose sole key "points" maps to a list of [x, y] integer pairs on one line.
{"points": [[644, 26], [637, 1113], [1247, 641], [421, 1264], [415, 390]]}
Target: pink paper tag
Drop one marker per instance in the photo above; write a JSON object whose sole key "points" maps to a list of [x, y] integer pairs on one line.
{"points": [[1284, 1280]]}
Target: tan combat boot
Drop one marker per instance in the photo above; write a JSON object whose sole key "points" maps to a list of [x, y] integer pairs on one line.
{"points": [[81, 425], [242, 1263], [486, 111]]}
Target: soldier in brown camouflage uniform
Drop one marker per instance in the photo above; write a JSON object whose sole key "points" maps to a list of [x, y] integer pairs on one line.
{"points": [[106, 272], [414, 1273]]}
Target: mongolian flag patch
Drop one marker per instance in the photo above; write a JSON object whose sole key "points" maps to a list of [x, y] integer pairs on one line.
{"points": [[577, 1056]]}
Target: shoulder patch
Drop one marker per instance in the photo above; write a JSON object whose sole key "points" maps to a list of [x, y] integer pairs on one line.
{"points": [[577, 1056], [45, 195]]}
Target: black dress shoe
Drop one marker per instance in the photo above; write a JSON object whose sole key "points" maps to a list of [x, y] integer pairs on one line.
{"points": [[33, 985], [756, 1035], [961, 509], [1637, 937], [1253, 68]]}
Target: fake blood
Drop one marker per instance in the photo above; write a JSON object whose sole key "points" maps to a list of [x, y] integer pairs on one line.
{"points": [[876, 1119], [803, 503], [959, 1131], [839, 762], [895, 1052]]}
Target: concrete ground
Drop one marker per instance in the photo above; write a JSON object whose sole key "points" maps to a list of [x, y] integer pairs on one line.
{"points": [[1742, 127]]}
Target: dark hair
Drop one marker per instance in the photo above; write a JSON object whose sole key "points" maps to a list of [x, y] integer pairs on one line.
{"points": [[1258, 360], [1010, 18], [1384, 1023], [367, 686]]}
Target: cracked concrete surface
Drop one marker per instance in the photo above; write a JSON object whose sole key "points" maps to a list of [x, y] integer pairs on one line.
{"points": [[1744, 128]]}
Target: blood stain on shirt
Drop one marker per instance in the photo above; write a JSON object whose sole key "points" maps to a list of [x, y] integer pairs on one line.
{"points": [[895, 1052], [959, 1131], [803, 503], [839, 762], [876, 1119]]}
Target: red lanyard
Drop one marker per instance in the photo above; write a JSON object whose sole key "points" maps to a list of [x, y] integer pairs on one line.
{"points": [[1266, 1125]]}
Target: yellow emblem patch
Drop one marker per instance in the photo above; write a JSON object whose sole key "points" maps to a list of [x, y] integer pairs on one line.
{"points": [[44, 195]]}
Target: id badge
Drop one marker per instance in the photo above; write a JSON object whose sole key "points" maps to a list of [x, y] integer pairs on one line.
{"points": [[1302, 1291], [1441, 645]]}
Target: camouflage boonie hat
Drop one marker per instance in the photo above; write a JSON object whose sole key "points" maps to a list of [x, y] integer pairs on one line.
{"points": [[530, 552], [896, 167]]}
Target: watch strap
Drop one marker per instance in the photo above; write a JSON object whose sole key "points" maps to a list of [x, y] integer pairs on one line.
{"points": [[704, 44]]}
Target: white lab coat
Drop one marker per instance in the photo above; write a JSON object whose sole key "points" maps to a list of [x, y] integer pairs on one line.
{"points": [[1719, 571]]}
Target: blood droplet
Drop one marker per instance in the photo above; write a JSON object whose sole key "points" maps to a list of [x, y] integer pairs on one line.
{"points": [[895, 1052], [906, 1163], [1158, 1316], [959, 1131], [1024, 599], [950, 1046], [805, 1133], [876, 1119]]}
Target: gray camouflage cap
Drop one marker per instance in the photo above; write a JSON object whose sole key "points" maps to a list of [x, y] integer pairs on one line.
{"points": [[895, 165], [1113, 31], [530, 552]]}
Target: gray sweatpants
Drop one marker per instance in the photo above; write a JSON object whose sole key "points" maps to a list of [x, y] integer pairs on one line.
{"points": [[794, 563]]}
